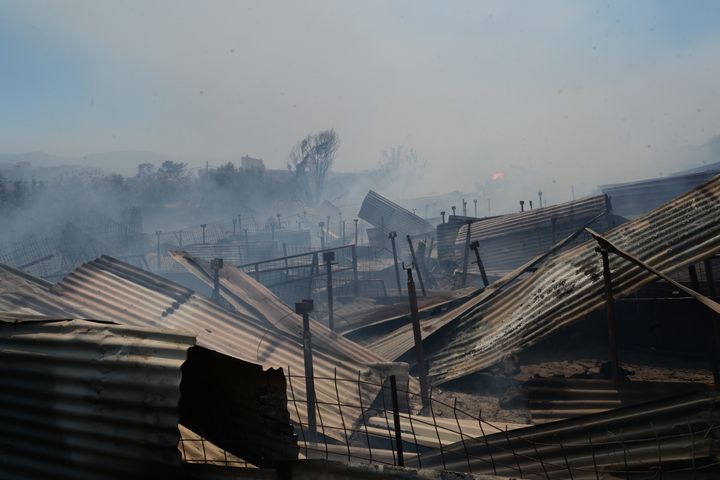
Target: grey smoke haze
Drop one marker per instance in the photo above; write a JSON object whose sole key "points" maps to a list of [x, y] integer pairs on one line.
{"points": [[576, 93]]}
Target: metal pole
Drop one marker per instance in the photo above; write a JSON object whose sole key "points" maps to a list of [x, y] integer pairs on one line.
{"points": [[234, 220], [442, 214], [322, 234], [610, 309], [522, 205], [466, 254], [287, 269], [304, 308], [710, 279], [417, 335], [475, 202], [416, 266], [158, 233], [272, 233], [279, 224], [215, 265], [356, 230], [203, 229], [396, 421], [343, 232], [329, 257], [476, 248], [392, 236], [239, 223], [356, 282]]}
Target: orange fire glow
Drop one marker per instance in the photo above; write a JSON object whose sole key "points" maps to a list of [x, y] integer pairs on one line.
{"points": [[497, 176]]}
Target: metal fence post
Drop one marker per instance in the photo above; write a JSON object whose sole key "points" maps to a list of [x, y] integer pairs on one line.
{"points": [[417, 335], [476, 248], [215, 265], [466, 254], [356, 282], [304, 308], [396, 421], [416, 266], [610, 309], [328, 258], [392, 236], [158, 233], [710, 279]]}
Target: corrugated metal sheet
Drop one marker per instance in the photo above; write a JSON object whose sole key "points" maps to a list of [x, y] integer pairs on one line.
{"points": [[398, 343], [636, 198], [673, 438], [385, 214], [569, 286], [89, 400], [109, 289], [254, 299], [23, 293], [511, 240], [553, 399]]}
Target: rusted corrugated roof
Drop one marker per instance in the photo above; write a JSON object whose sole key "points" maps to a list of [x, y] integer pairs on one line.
{"points": [[391, 217], [510, 240], [89, 400], [569, 286], [109, 289]]}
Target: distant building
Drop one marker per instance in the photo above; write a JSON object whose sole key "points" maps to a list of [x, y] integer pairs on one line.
{"points": [[247, 163]]}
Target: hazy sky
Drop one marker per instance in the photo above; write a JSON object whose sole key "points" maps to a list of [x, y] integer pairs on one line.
{"points": [[580, 91]]}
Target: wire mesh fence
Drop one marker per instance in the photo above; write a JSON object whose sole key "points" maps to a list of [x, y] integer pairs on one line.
{"points": [[676, 438]]}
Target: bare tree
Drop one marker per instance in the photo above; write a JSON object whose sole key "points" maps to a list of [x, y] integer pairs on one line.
{"points": [[400, 170], [310, 161]]}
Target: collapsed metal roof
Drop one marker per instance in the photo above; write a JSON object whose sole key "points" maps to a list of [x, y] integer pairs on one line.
{"points": [[254, 299], [109, 289], [391, 217], [510, 240], [672, 437], [567, 287], [89, 400]]}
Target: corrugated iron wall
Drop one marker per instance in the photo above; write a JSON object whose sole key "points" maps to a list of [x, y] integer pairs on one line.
{"points": [[89, 400], [511, 240]]}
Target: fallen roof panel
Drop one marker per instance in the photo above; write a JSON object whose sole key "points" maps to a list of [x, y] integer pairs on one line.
{"points": [[254, 299], [389, 216], [569, 286]]}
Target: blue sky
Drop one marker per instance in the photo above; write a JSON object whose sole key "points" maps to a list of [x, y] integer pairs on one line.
{"points": [[557, 87]]}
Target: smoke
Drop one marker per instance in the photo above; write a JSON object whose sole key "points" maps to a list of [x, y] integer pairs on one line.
{"points": [[560, 97]]}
